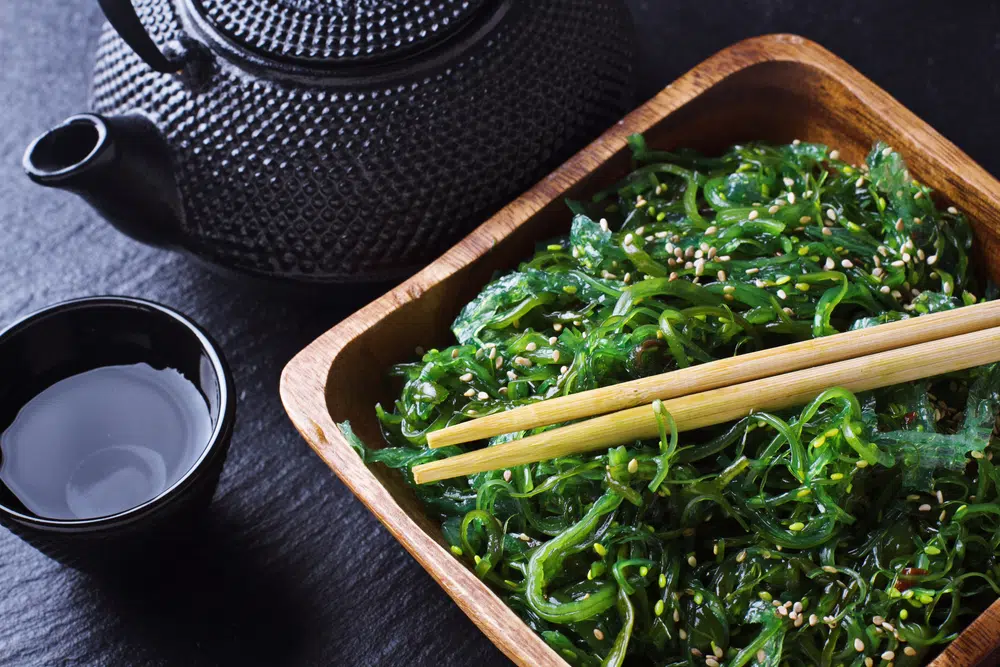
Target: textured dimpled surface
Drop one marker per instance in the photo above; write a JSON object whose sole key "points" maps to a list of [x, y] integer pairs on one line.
{"points": [[326, 183], [337, 31]]}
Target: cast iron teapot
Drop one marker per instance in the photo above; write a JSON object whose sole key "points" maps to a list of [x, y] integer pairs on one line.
{"points": [[333, 140]]}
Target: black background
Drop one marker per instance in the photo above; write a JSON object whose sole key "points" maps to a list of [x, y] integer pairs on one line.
{"points": [[295, 570]]}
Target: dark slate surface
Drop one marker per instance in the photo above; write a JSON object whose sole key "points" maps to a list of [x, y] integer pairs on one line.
{"points": [[294, 570]]}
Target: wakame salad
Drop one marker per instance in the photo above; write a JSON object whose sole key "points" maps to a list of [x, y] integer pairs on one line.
{"points": [[856, 530]]}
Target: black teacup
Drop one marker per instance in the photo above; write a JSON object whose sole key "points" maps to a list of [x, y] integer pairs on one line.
{"points": [[116, 416]]}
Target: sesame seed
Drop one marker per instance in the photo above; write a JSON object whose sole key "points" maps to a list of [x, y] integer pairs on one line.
{"points": [[724, 258], [888, 655], [924, 508], [888, 626], [711, 662], [788, 311], [752, 271], [919, 195], [782, 294], [511, 375], [557, 327], [797, 607], [910, 651], [531, 347], [788, 182], [869, 662], [834, 155], [859, 645], [827, 231], [499, 362], [906, 258], [507, 475], [699, 254], [830, 213], [886, 151], [677, 616], [761, 656], [699, 267], [469, 393], [466, 377], [640, 231], [861, 181], [692, 561], [805, 219], [782, 611], [711, 230], [940, 496], [633, 466], [564, 369], [829, 569], [522, 361], [847, 264], [796, 142], [813, 619], [673, 276], [753, 215], [953, 210], [791, 197], [598, 634], [482, 396], [942, 516], [774, 209], [721, 275], [898, 263], [931, 259], [684, 635]]}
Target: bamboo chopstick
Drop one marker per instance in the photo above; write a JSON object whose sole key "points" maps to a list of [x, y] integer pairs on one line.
{"points": [[729, 403], [724, 372]]}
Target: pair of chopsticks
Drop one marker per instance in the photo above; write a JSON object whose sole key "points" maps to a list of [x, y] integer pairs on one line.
{"points": [[727, 389]]}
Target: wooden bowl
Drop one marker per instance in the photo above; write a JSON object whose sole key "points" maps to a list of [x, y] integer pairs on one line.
{"points": [[776, 88]]}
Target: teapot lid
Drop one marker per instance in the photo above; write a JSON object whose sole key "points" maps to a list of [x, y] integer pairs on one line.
{"points": [[337, 32]]}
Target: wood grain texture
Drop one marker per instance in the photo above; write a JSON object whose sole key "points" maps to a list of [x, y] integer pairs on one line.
{"points": [[777, 88], [723, 372]]}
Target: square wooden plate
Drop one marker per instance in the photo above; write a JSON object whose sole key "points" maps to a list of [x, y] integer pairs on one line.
{"points": [[776, 88]]}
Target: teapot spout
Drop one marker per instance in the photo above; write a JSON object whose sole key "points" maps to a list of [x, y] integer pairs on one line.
{"points": [[121, 166]]}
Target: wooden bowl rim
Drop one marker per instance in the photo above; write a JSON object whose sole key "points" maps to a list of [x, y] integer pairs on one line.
{"points": [[303, 390]]}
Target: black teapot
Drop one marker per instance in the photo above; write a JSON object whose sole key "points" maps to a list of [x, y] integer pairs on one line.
{"points": [[333, 140]]}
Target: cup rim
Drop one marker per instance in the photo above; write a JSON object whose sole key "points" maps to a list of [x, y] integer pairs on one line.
{"points": [[221, 429]]}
